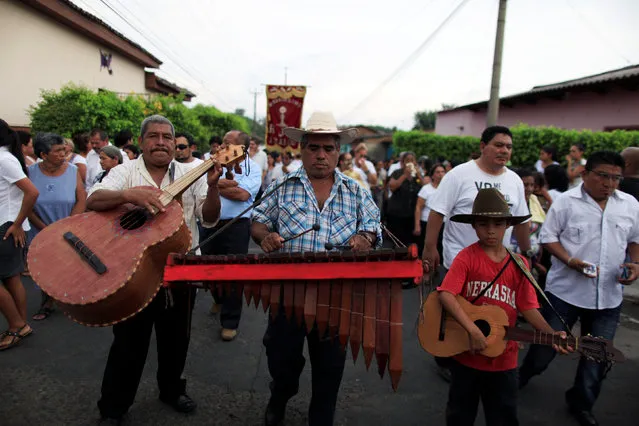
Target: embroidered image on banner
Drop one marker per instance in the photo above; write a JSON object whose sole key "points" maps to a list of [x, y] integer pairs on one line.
{"points": [[283, 109]]}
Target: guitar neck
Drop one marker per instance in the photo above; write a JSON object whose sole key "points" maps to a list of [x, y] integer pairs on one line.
{"points": [[188, 179], [538, 337]]}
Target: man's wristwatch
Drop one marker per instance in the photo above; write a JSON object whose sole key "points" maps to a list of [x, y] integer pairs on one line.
{"points": [[530, 253]]}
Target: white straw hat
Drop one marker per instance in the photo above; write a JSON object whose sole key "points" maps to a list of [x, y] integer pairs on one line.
{"points": [[322, 123]]}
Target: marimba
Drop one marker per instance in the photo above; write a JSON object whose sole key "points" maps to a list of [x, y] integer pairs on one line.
{"points": [[354, 296]]}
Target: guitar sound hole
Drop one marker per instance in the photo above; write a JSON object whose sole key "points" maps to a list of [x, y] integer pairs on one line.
{"points": [[483, 326], [133, 219]]}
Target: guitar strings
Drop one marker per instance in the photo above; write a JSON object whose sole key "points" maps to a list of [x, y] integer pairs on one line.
{"points": [[172, 190]]}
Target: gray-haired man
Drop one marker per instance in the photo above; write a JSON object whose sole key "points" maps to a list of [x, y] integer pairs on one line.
{"points": [[129, 183]]}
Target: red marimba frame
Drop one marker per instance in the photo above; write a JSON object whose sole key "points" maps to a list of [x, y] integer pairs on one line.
{"points": [[356, 297]]}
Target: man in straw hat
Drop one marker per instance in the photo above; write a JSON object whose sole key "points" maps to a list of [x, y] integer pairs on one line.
{"points": [[485, 274], [346, 215]]}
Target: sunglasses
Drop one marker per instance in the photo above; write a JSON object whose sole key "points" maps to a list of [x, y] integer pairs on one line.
{"points": [[181, 147]]}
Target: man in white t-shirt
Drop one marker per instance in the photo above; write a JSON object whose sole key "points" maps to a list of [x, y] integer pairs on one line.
{"points": [[365, 167], [458, 190], [184, 155]]}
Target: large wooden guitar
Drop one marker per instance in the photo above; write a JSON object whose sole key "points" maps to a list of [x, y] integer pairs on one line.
{"points": [[104, 267], [450, 338]]}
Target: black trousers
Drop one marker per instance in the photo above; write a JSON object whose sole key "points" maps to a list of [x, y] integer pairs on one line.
{"points": [[284, 342], [497, 390], [235, 240], [131, 344]]}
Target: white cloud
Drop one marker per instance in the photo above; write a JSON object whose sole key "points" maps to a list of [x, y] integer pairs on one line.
{"points": [[345, 49]]}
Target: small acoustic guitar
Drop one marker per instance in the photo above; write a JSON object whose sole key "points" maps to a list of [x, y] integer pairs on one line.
{"points": [[104, 267], [448, 338]]}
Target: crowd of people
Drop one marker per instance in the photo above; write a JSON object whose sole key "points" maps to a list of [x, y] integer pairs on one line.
{"points": [[559, 218]]}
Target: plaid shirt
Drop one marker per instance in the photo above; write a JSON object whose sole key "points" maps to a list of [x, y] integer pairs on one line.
{"points": [[293, 209]]}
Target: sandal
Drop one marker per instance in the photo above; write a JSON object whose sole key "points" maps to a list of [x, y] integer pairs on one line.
{"points": [[42, 314], [24, 333], [15, 339]]}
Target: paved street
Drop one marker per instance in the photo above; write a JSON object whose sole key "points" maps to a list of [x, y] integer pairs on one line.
{"points": [[54, 378]]}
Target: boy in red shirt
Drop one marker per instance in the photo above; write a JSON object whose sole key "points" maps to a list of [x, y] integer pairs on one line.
{"points": [[475, 376]]}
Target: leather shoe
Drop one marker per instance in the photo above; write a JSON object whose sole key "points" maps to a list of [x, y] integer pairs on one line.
{"points": [[228, 334], [584, 417], [274, 415], [181, 404]]}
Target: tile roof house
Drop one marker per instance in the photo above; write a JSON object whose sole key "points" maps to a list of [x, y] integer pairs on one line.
{"points": [[49, 43], [601, 102]]}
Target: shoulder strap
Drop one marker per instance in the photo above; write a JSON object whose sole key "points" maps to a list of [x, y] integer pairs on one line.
{"points": [[522, 267], [501, 271]]}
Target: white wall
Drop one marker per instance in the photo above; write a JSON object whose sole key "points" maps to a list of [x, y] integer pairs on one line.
{"points": [[39, 53]]}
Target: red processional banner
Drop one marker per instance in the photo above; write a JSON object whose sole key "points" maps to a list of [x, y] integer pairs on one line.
{"points": [[283, 109]]}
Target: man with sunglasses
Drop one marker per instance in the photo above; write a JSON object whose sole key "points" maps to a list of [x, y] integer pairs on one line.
{"points": [[183, 149], [588, 230]]}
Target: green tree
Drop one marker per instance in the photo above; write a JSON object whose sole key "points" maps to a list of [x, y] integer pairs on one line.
{"points": [[77, 109], [425, 120]]}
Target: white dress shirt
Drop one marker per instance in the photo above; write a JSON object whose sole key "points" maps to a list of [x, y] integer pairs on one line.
{"points": [[594, 235], [134, 173]]}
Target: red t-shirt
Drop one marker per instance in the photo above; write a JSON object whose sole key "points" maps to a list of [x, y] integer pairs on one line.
{"points": [[471, 271]]}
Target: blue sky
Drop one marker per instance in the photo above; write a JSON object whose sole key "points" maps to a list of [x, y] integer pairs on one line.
{"points": [[344, 49]]}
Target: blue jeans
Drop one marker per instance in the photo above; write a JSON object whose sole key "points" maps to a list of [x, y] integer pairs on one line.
{"points": [[597, 322]]}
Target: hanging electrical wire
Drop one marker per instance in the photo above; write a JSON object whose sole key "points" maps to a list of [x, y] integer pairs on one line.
{"points": [[174, 61], [593, 30], [409, 60]]}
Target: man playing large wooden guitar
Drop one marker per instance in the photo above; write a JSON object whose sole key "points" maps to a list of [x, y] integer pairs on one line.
{"points": [[139, 183]]}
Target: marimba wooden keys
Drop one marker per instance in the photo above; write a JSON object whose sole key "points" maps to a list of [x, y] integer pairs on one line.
{"points": [[298, 302], [289, 292], [345, 312], [265, 294], [357, 316], [276, 294], [323, 300], [368, 338], [395, 356], [382, 332], [351, 297], [310, 305], [334, 310]]}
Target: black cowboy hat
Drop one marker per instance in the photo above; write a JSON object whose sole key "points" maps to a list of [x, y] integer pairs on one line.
{"points": [[489, 204]]}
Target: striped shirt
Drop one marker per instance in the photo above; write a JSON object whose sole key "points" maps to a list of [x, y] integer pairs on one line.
{"points": [[293, 208], [134, 173]]}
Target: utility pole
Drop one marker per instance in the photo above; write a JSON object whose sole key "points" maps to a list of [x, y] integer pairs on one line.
{"points": [[493, 103], [254, 93]]}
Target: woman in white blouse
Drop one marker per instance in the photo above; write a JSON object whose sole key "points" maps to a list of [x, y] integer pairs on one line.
{"points": [[17, 197]]}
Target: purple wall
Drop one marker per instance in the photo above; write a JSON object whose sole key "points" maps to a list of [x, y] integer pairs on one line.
{"points": [[585, 110]]}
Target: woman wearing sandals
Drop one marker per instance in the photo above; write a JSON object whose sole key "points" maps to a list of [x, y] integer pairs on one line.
{"points": [[61, 189], [17, 197]]}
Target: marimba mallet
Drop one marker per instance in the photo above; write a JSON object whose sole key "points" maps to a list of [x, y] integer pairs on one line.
{"points": [[315, 227]]}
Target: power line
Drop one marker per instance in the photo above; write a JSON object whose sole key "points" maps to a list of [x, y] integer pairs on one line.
{"points": [[410, 59], [171, 58], [596, 32]]}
